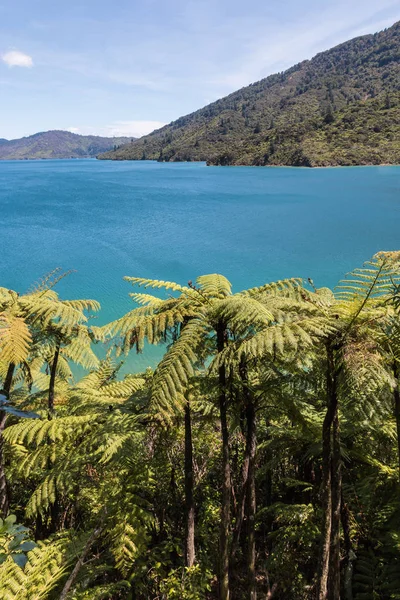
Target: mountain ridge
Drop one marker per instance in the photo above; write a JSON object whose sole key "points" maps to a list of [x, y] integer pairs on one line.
{"points": [[341, 107], [57, 143]]}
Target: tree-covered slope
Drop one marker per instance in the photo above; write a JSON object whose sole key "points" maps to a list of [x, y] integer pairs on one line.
{"points": [[57, 144], [340, 108]]}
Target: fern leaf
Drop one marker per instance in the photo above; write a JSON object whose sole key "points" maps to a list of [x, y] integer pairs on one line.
{"points": [[215, 285], [15, 339]]}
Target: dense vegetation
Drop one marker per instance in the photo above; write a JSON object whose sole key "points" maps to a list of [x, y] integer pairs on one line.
{"points": [[340, 108], [58, 144], [259, 459]]}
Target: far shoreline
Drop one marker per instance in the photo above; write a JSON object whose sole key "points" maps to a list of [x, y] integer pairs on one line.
{"points": [[109, 160]]}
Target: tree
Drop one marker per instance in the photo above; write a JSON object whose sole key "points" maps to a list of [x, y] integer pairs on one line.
{"points": [[22, 321], [350, 361], [212, 310]]}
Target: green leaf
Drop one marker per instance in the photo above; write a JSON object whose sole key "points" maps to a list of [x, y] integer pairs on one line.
{"points": [[10, 520], [19, 559], [27, 546]]}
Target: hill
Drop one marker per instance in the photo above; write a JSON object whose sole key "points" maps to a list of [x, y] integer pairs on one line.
{"points": [[340, 108], [57, 144]]}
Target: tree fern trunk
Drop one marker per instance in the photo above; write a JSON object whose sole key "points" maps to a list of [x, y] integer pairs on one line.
{"points": [[396, 395], [4, 499], [241, 505], [189, 501], [349, 556], [226, 474], [334, 566], [4, 496], [53, 374], [55, 507], [326, 484], [250, 485], [326, 501], [8, 380], [251, 502]]}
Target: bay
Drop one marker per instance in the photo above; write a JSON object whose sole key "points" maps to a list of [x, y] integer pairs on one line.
{"points": [[175, 221]]}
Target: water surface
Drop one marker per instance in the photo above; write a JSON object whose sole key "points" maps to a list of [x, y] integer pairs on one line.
{"points": [[179, 220]]}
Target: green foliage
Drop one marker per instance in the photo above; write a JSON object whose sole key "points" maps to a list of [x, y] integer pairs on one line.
{"points": [[43, 572], [14, 541], [101, 484], [294, 542], [190, 583]]}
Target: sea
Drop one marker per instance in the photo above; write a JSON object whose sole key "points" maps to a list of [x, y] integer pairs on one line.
{"points": [[103, 220]]}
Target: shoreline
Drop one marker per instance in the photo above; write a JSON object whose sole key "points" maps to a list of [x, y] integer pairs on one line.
{"points": [[136, 160], [96, 158]]}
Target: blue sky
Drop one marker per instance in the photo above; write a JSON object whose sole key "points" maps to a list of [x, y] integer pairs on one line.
{"points": [[126, 67]]}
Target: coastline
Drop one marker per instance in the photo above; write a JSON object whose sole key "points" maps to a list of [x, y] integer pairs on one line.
{"points": [[282, 166]]}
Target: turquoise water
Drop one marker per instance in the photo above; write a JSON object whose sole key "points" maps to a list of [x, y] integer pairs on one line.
{"points": [[177, 221]]}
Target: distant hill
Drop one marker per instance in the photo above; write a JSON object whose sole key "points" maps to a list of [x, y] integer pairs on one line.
{"points": [[340, 108], [58, 144]]}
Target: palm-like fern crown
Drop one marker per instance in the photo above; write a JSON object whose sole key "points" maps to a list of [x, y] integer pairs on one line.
{"points": [[34, 322], [355, 317], [272, 318]]}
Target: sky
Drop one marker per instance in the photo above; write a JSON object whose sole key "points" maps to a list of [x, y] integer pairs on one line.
{"points": [[127, 67]]}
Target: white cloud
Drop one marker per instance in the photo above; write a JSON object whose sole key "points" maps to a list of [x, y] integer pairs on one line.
{"points": [[119, 129], [133, 128], [14, 58]]}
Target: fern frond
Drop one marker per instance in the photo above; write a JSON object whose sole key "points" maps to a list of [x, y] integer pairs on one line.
{"points": [[124, 388], [215, 285], [42, 497], [125, 540], [37, 431], [284, 337], [374, 279], [175, 369], [42, 307], [284, 287], [79, 350], [47, 565], [15, 339], [244, 312], [156, 283], [146, 299], [82, 305]]}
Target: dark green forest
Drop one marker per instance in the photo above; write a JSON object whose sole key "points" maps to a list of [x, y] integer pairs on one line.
{"points": [[340, 108], [259, 459]]}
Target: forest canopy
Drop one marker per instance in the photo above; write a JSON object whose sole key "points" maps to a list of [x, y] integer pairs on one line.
{"points": [[259, 459]]}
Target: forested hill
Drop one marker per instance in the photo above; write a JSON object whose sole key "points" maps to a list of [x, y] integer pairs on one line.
{"points": [[340, 108], [58, 144]]}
